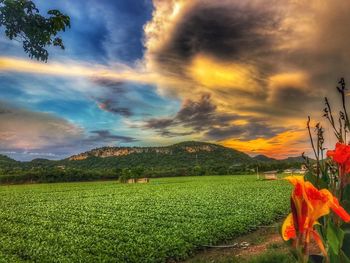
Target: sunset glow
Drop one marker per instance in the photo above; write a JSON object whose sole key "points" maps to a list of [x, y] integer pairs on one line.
{"points": [[281, 146]]}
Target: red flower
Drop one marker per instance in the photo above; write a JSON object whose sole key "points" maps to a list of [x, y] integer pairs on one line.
{"points": [[341, 155], [308, 205]]}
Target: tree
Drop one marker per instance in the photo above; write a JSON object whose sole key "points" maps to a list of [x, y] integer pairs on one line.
{"points": [[23, 22], [137, 172], [126, 174]]}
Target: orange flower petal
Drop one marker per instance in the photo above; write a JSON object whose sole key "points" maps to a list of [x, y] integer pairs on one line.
{"points": [[294, 180], [340, 211], [317, 200], [341, 154], [288, 230]]}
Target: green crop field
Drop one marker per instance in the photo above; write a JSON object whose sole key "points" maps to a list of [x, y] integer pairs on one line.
{"points": [[110, 222]]}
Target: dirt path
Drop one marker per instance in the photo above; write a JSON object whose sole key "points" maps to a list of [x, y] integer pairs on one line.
{"points": [[245, 246]]}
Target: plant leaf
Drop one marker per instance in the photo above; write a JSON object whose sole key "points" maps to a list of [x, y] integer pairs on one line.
{"points": [[335, 236]]}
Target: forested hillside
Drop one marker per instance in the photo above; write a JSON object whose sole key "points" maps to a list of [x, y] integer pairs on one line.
{"points": [[182, 159]]}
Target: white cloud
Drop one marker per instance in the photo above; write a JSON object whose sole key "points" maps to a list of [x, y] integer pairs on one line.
{"points": [[27, 130]]}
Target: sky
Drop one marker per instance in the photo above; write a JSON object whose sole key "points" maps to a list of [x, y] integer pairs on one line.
{"points": [[243, 74]]}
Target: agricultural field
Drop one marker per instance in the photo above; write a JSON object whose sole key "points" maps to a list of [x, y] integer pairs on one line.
{"points": [[168, 218]]}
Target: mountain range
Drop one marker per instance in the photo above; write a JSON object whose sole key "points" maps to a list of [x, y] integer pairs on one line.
{"points": [[183, 154], [181, 159]]}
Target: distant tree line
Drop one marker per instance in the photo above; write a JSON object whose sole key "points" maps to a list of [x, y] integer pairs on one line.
{"points": [[49, 174]]}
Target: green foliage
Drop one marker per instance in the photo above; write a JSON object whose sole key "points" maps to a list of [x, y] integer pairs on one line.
{"points": [[22, 21], [54, 174], [335, 236], [346, 241], [168, 218], [125, 175]]}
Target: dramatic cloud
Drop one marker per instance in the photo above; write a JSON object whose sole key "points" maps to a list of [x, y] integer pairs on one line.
{"points": [[106, 136], [112, 106], [113, 96], [251, 130], [238, 50], [196, 115], [203, 117], [227, 30], [271, 62]]}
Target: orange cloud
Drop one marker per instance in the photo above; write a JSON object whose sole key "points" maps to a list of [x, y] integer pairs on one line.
{"points": [[213, 73], [282, 145], [295, 79]]}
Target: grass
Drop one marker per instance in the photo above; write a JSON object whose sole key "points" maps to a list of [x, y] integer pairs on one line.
{"points": [[168, 218], [266, 257], [273, 257]]}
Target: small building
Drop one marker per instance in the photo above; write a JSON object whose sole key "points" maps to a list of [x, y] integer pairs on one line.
{"points": [[270, 175], [131, 181], [288, 171], [142, 180], [300, 171], [138, 180]]}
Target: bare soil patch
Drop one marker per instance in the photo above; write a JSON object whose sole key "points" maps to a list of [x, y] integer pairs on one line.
{"points": [[245, 247]]}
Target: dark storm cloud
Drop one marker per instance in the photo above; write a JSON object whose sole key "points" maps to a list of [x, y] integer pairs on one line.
{"points": [[202, 116], [111, 105], [169, 134], [163, 125], [325, 54], [287, 101], [228, 32], [293, 98], [248, 131], [159, 124], [197, 115], [292, 95], [112, 98], [274, 37], [107, 136], [114, 86]]}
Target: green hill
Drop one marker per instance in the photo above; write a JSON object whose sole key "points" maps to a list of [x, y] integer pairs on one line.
{"points": [[5, 159], [264, 158], [181, 155], [7, 162], [181, 159], [295, 159]]}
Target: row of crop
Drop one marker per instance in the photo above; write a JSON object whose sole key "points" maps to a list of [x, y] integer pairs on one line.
{"points": [[131, 223]]}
